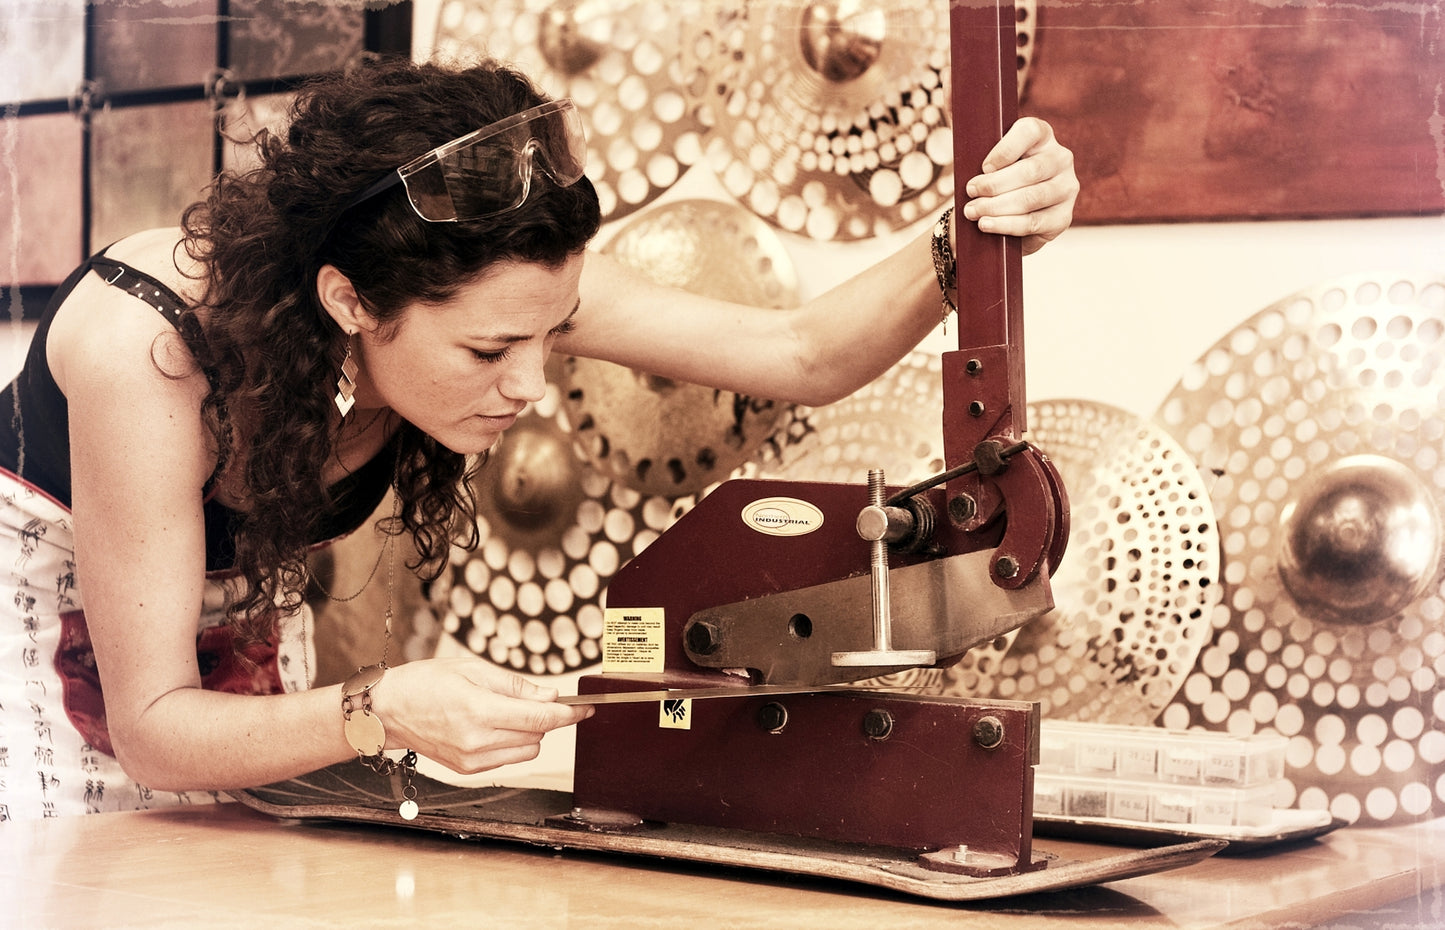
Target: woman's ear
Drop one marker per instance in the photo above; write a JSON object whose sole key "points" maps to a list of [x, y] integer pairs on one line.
{"points": [[341, 301]]}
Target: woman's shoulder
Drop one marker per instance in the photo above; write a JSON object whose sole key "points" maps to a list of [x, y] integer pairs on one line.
{"points": [[100, 331], [161, 254]]}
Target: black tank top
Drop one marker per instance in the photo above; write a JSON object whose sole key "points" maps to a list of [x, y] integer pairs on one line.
{"points": [[35, 426]]}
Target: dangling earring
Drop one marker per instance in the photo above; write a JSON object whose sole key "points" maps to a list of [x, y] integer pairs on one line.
{"points": [[346, 384]]}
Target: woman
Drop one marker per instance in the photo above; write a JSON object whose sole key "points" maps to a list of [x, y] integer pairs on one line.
{"points": [[318, 331]]}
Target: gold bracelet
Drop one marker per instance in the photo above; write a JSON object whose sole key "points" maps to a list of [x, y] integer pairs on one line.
{"points": [[945, 266], [367, 736], [363, 730]]}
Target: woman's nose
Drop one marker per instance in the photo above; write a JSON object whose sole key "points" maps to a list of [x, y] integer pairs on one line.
{"points": [[525, 379]]}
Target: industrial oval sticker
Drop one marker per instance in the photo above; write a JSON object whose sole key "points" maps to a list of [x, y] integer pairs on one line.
{"points": [[782, 516]]}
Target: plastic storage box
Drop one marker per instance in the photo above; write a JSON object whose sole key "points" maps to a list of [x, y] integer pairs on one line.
{"points": [[1151, 802], [1152, 754]]}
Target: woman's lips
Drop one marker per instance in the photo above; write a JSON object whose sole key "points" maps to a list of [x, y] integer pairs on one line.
{"points": [[498, 422]]}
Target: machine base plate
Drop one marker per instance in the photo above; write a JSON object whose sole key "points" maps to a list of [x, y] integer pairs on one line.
{"points": [[349, 792]]}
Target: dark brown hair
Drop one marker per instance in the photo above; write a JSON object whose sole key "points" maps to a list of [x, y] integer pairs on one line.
{"points": [[270, 346]]}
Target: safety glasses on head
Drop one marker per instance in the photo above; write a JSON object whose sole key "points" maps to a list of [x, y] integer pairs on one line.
{"points": [[489, 171]]}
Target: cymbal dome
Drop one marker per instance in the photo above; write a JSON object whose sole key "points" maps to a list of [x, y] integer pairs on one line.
{"points": [[841, 40], [1361, 542]]}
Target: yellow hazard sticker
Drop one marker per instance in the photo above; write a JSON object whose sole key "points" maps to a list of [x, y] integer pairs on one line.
{"points": [[675, 714], [632, 639]]}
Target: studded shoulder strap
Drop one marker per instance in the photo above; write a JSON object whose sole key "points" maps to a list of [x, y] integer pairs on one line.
{"points": [[142, 285]]}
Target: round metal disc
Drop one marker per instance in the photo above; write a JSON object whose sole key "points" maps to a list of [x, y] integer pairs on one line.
{"points": [[830, 118], [1346, 374], [364, 732], [617, 59], [665, 437], [1138, 584]]}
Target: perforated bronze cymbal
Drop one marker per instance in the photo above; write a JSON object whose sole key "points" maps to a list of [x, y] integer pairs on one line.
{"points": [[1137, 586], [617, 59], [1322, 418], [665, 437], [830, 118], [554, 530]]}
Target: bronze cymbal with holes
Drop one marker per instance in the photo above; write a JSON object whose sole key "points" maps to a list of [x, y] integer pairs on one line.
{"points": [[1321, 421], [1138, 585], [664, 437], [617, 60], [831, 119]]}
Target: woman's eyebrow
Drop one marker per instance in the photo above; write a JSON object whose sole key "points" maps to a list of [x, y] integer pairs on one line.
{"points": [[567, 325], [561, 328]]}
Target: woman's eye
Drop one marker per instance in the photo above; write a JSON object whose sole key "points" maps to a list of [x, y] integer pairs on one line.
{"points": [[492, 357]]}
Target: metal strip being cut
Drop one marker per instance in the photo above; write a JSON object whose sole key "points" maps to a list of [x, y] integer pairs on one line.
{"points": [[679, 694]]}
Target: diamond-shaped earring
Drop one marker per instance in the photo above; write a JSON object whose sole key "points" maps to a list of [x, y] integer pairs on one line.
{"points": [[346, 384]]}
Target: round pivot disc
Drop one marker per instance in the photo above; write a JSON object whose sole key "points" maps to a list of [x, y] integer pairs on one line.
{"points": [[1322, 421]]}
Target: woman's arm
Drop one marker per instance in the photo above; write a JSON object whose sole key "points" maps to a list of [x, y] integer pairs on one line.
{"points": [[842, 339]]}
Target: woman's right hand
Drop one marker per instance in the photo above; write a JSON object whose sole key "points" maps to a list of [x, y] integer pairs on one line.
{"points": [[467, 714]]}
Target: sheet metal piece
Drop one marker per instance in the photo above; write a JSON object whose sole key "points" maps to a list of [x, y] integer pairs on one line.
{"points": [[698, 694], [542, 818]]}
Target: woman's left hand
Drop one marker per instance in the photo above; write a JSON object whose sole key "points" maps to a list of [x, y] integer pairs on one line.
{"points": [[1027, 187]]}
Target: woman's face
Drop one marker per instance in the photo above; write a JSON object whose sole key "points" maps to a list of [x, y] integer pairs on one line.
{"points": [[461, 371]]}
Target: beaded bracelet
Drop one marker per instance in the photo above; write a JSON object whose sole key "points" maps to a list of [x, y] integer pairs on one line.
{"points": [[945, 266]]}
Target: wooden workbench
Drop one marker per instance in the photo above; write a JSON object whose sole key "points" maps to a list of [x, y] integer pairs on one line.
{"points": [[224, 866]]}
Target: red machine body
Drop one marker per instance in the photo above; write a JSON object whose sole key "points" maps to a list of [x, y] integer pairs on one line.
{"points": [[770, 582]]}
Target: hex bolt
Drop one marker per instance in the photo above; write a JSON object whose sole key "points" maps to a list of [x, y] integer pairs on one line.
{"points": [[878, 724], [1007, 566], [962, 508], [702, 638], [772, 717], [988, 732]]}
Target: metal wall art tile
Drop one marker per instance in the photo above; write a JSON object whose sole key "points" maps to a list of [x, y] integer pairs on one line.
{"points": [[40, 198], [153, 43], [147, 164], [42, 47], [243, 119], [282, 38]]}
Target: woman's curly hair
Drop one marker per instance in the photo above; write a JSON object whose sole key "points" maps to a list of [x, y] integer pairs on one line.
{"points": [[271, 349]]}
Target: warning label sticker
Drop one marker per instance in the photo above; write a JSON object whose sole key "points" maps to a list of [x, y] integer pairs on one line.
{"points": [[632, 639], [675, 714]]}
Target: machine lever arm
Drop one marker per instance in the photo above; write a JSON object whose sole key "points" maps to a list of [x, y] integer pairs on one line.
{"points": [[995, 451]]}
